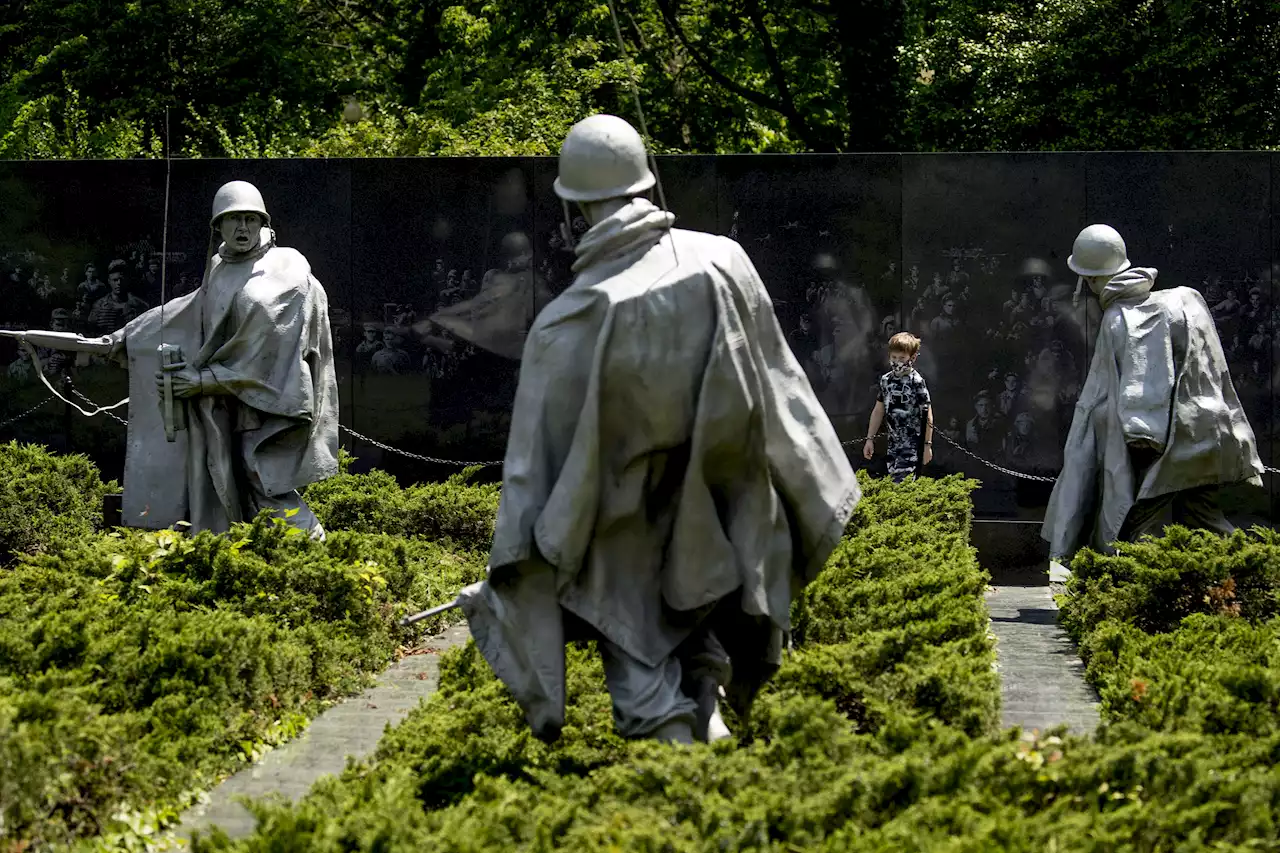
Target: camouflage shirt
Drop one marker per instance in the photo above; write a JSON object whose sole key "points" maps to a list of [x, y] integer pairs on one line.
{"points": [[905, 399]]}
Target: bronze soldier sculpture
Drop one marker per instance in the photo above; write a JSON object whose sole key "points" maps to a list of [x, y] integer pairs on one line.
{"points": [[1158, 421], [244, 410], [670, 478]]}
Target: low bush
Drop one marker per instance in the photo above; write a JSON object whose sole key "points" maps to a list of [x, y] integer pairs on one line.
{"points": [[454, 510], [136, 666], [1154, 584], [876, 735], [46, 498], [894, 626], [817, 787], [891, 655], [1182, 633]]}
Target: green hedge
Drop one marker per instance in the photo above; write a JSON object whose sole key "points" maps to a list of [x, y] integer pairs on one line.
{"points": [[137, 667], [883, 664], [134, 667], [894, 628], [46, 498], [1182, 633], [455, 510], [876, 735]]}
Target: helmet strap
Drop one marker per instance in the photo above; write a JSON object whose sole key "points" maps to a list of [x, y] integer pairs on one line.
{"points": [[566, 227]]}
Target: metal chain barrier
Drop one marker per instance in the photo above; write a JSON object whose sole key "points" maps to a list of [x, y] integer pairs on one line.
{"points": [[84, 399], [417, 456], [464, 464], [33, 409], [990, 464], [860, 439]]}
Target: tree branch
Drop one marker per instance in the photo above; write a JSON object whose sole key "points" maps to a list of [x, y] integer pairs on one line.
{"points": [[779, 75], [364, 10], [758, 98], [631, 19], [818, 7]]}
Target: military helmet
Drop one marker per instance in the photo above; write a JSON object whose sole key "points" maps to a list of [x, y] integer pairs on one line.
{"points": [[238, 197], [603, 157], [1099, 250]]}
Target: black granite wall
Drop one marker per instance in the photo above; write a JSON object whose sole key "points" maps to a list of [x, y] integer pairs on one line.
{"points": [[967, 251]]}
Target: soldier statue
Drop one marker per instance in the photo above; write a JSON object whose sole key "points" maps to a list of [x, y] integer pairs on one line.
{"points": [[670, 479], [244, 388], [1158, 424]]}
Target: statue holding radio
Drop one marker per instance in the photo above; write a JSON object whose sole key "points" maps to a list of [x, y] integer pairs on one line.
{"points": [[237, 377]]}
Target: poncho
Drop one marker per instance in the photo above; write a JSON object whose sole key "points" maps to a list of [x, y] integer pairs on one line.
{"points": [[261, 325], [1159, 379], [666, 452]]}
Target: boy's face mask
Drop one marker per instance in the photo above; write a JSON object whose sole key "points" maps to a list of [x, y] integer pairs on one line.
{"points": [[900, 364]]}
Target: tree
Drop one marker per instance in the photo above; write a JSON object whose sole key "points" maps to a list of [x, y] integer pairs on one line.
{"points": [[221, 68], [1097, 74]]}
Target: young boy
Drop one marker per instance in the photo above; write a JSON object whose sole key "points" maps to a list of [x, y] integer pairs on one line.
{"points": [[903, 393]]}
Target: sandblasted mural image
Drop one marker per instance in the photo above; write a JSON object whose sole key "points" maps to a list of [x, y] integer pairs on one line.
{"points": [[435, 269]]}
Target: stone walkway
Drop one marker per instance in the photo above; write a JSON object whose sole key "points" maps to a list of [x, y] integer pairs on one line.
{"points": [[1041, 677], [350, 728]]}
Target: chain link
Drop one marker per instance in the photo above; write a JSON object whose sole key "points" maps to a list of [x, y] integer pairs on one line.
{"points": [[83, 398], [991, 464], [988, 463], [464, 464], [417, 456], [16, 418], [862, 438]]}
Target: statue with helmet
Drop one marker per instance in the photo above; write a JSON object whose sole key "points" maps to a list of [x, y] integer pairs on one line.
{"points": [[240, 409], [670, 479], [1158, 424]]}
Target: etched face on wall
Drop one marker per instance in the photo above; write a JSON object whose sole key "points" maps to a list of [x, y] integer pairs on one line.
{"points": [[240, 230]]}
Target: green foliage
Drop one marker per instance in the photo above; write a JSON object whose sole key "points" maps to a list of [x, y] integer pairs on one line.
{"points": [[92, 78], [375, 503], [1182, 633], [1214, 674], [1096, 75], [1155, 583], [136, 666], [894, 625], [463, 771], [814, 769], [46, 498]]}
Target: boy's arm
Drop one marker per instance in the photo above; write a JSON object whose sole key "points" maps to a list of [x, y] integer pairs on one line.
{"points": [[928, 421], [877, 416]]}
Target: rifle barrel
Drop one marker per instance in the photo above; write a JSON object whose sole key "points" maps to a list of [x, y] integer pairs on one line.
{"points": [[427, 614]]}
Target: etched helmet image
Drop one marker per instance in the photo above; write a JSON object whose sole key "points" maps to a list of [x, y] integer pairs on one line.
{"points": [[238, 197], [603, 157], [1099, 250]]}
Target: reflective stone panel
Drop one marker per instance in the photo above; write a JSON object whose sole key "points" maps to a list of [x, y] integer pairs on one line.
{"points": [[447, 290], [436, 267], [985, 241], [80, 250], [824, 234]]}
